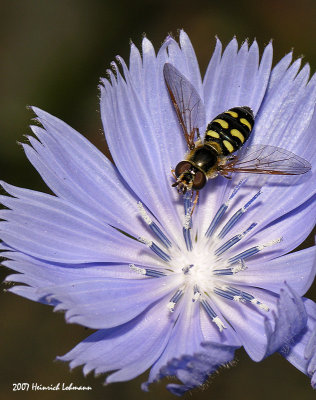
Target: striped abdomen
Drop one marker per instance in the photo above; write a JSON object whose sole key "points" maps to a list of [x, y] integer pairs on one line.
{"points": [[229, 130]]}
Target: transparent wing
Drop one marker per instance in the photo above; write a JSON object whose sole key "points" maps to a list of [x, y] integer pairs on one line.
{"points": [[187, 103], [262, 159]]}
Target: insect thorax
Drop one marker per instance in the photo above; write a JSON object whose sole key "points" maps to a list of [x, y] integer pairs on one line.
{"points": [[204, 157]]}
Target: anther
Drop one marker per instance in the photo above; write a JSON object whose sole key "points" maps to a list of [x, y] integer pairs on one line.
{"points": [[196, 294], [157, 250], [236, 188], [147, 271], [240, 266], [153, 226], [187, 268], [246, 297], [252, 251], [187, 221], [214, 317], [222, 209], [187, 238], [231, 242], [260, 305], [236, 217], [174, 300]]}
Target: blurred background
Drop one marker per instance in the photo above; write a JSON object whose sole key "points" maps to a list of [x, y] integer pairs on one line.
{"points": [[52, 55]]}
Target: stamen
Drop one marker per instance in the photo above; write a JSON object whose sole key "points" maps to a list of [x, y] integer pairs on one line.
{"points": [[138, 270], [236, 217], [187, 238], [244, 296], [252, 251], [144, 214], [224, 293], [147, 242], [187, 203], [153, 226], [221, 211], [174, 300], [260, 305], [187, 268], [187, 220], [236, 188], [218, 216], [241, 266], [231, 242], [271, 243], [239, 299], [147, 271], [217, 321], [197, 293], [224, 271], [211, 313], [160, 252], [157, 250]]}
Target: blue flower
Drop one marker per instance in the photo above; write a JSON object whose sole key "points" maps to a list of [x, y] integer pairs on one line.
{"points": [[116, 247]]}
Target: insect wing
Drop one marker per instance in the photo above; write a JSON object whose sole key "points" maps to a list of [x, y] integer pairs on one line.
{"points": [[262, 159], [187, 103]]}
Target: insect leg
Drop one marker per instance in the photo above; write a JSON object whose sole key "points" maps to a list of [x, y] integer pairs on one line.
{"points": [[195, 201], [173, 172]]}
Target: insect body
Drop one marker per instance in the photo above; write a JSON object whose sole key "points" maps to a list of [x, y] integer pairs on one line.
{"points": [[224, 135]]}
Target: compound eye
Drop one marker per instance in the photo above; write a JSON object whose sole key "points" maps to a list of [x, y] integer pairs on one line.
{"points": [[182, 167], [199, 180]]}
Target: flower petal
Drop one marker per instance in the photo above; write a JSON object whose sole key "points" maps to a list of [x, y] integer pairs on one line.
{"points": [[290, 321], [50, 228], [302, 354], [187, 356], [236, 79], [297, 269], [135, 148], [264, 332], [101, 303], [130, 348], [76, 171]]}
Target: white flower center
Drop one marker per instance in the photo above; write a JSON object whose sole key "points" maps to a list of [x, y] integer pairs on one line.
{"points": [[208, 265]]}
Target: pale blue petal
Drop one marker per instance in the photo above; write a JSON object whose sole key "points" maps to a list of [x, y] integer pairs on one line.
{"points": [[187, 356], [130, 348], [50, 228], [290, 320], [191, 61], [101, 303], [302, 354], [75, 170], [135, 148], [297, 269]]}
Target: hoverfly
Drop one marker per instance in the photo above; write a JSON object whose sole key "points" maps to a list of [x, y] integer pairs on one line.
{"points": [[224, 135]]}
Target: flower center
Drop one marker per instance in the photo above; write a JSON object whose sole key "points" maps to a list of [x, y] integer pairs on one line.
{"points": [[207, 265]]}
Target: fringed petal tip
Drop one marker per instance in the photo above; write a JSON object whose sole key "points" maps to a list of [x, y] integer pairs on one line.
{"points": [[302, 351], [290, 320], [193, 370], [310, 356]]}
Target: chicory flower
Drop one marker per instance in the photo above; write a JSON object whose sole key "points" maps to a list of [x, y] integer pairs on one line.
{"points": [[118, 250]]}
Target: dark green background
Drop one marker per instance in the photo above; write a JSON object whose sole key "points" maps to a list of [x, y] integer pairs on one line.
{"points": [[52, 55]]}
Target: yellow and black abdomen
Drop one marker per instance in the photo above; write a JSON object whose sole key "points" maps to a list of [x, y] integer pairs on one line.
{"points": [[229, 130]]}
